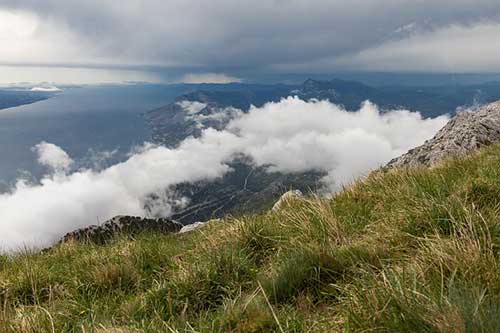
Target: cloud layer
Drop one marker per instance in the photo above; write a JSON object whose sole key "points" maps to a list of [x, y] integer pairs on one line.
{"points": [[295, 136], [454, 48], [291, 135], [53, 157], [209, 78], [225, 36]]}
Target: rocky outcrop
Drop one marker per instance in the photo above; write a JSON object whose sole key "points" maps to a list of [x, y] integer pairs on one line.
{"points": [[197, 225], [466, 132], [192, 226], [121, 225]]}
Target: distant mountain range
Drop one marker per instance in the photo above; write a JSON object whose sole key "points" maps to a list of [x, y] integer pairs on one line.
{"points": [[173, 123], [248, 189], [430, 101]]}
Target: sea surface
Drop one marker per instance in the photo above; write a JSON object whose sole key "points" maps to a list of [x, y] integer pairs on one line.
{"points": [[85, 122]]}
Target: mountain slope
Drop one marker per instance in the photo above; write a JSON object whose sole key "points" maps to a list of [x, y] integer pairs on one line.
{"points": [[198, 110], [194, 111], [246, 188], [408, 250]]}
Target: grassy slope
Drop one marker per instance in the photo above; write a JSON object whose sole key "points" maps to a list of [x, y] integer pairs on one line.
{"points": [[406, 251]]}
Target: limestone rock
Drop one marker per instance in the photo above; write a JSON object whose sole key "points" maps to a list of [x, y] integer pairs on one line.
{"points": [[196, 225], [466, 132], [192, 226]]}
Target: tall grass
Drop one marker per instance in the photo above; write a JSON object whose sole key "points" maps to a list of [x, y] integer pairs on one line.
{"points": [[401, 251]]}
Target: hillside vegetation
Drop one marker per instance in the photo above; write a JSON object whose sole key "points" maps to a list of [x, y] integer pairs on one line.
{"points": [[401, 251]]}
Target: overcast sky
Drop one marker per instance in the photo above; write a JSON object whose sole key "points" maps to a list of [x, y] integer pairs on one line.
{"points": [[225, 37]]}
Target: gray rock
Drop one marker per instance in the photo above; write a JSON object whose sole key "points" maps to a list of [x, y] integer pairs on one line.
{"points": [[193, 226], [196, 225], [466, 132], [290, 195]]}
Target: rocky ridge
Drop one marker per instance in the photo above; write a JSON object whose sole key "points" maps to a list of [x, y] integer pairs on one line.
{"points": [[466, 132], [124, 225]]}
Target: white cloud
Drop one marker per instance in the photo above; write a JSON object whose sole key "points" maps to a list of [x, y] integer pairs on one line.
{"points": [[292, 135], [209, 78], [36, 215], [219, 116], [46, 89], [192, 107], [53, 157]]}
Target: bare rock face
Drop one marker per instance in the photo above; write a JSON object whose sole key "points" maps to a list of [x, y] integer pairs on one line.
{"points": [[466, 132], [126, 225]]}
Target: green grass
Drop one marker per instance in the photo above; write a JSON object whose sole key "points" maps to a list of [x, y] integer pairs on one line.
{"points": [[401, 251]]}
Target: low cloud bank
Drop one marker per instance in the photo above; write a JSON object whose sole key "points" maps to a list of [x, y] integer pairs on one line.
{"points": [[208, 78], [46, 89], [291, 135], [294, 135]]}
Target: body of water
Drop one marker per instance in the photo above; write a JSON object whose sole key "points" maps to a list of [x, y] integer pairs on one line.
{"points": [[83, 121]]}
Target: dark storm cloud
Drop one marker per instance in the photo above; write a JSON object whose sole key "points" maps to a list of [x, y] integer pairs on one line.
{"points": [[229, 35]]}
